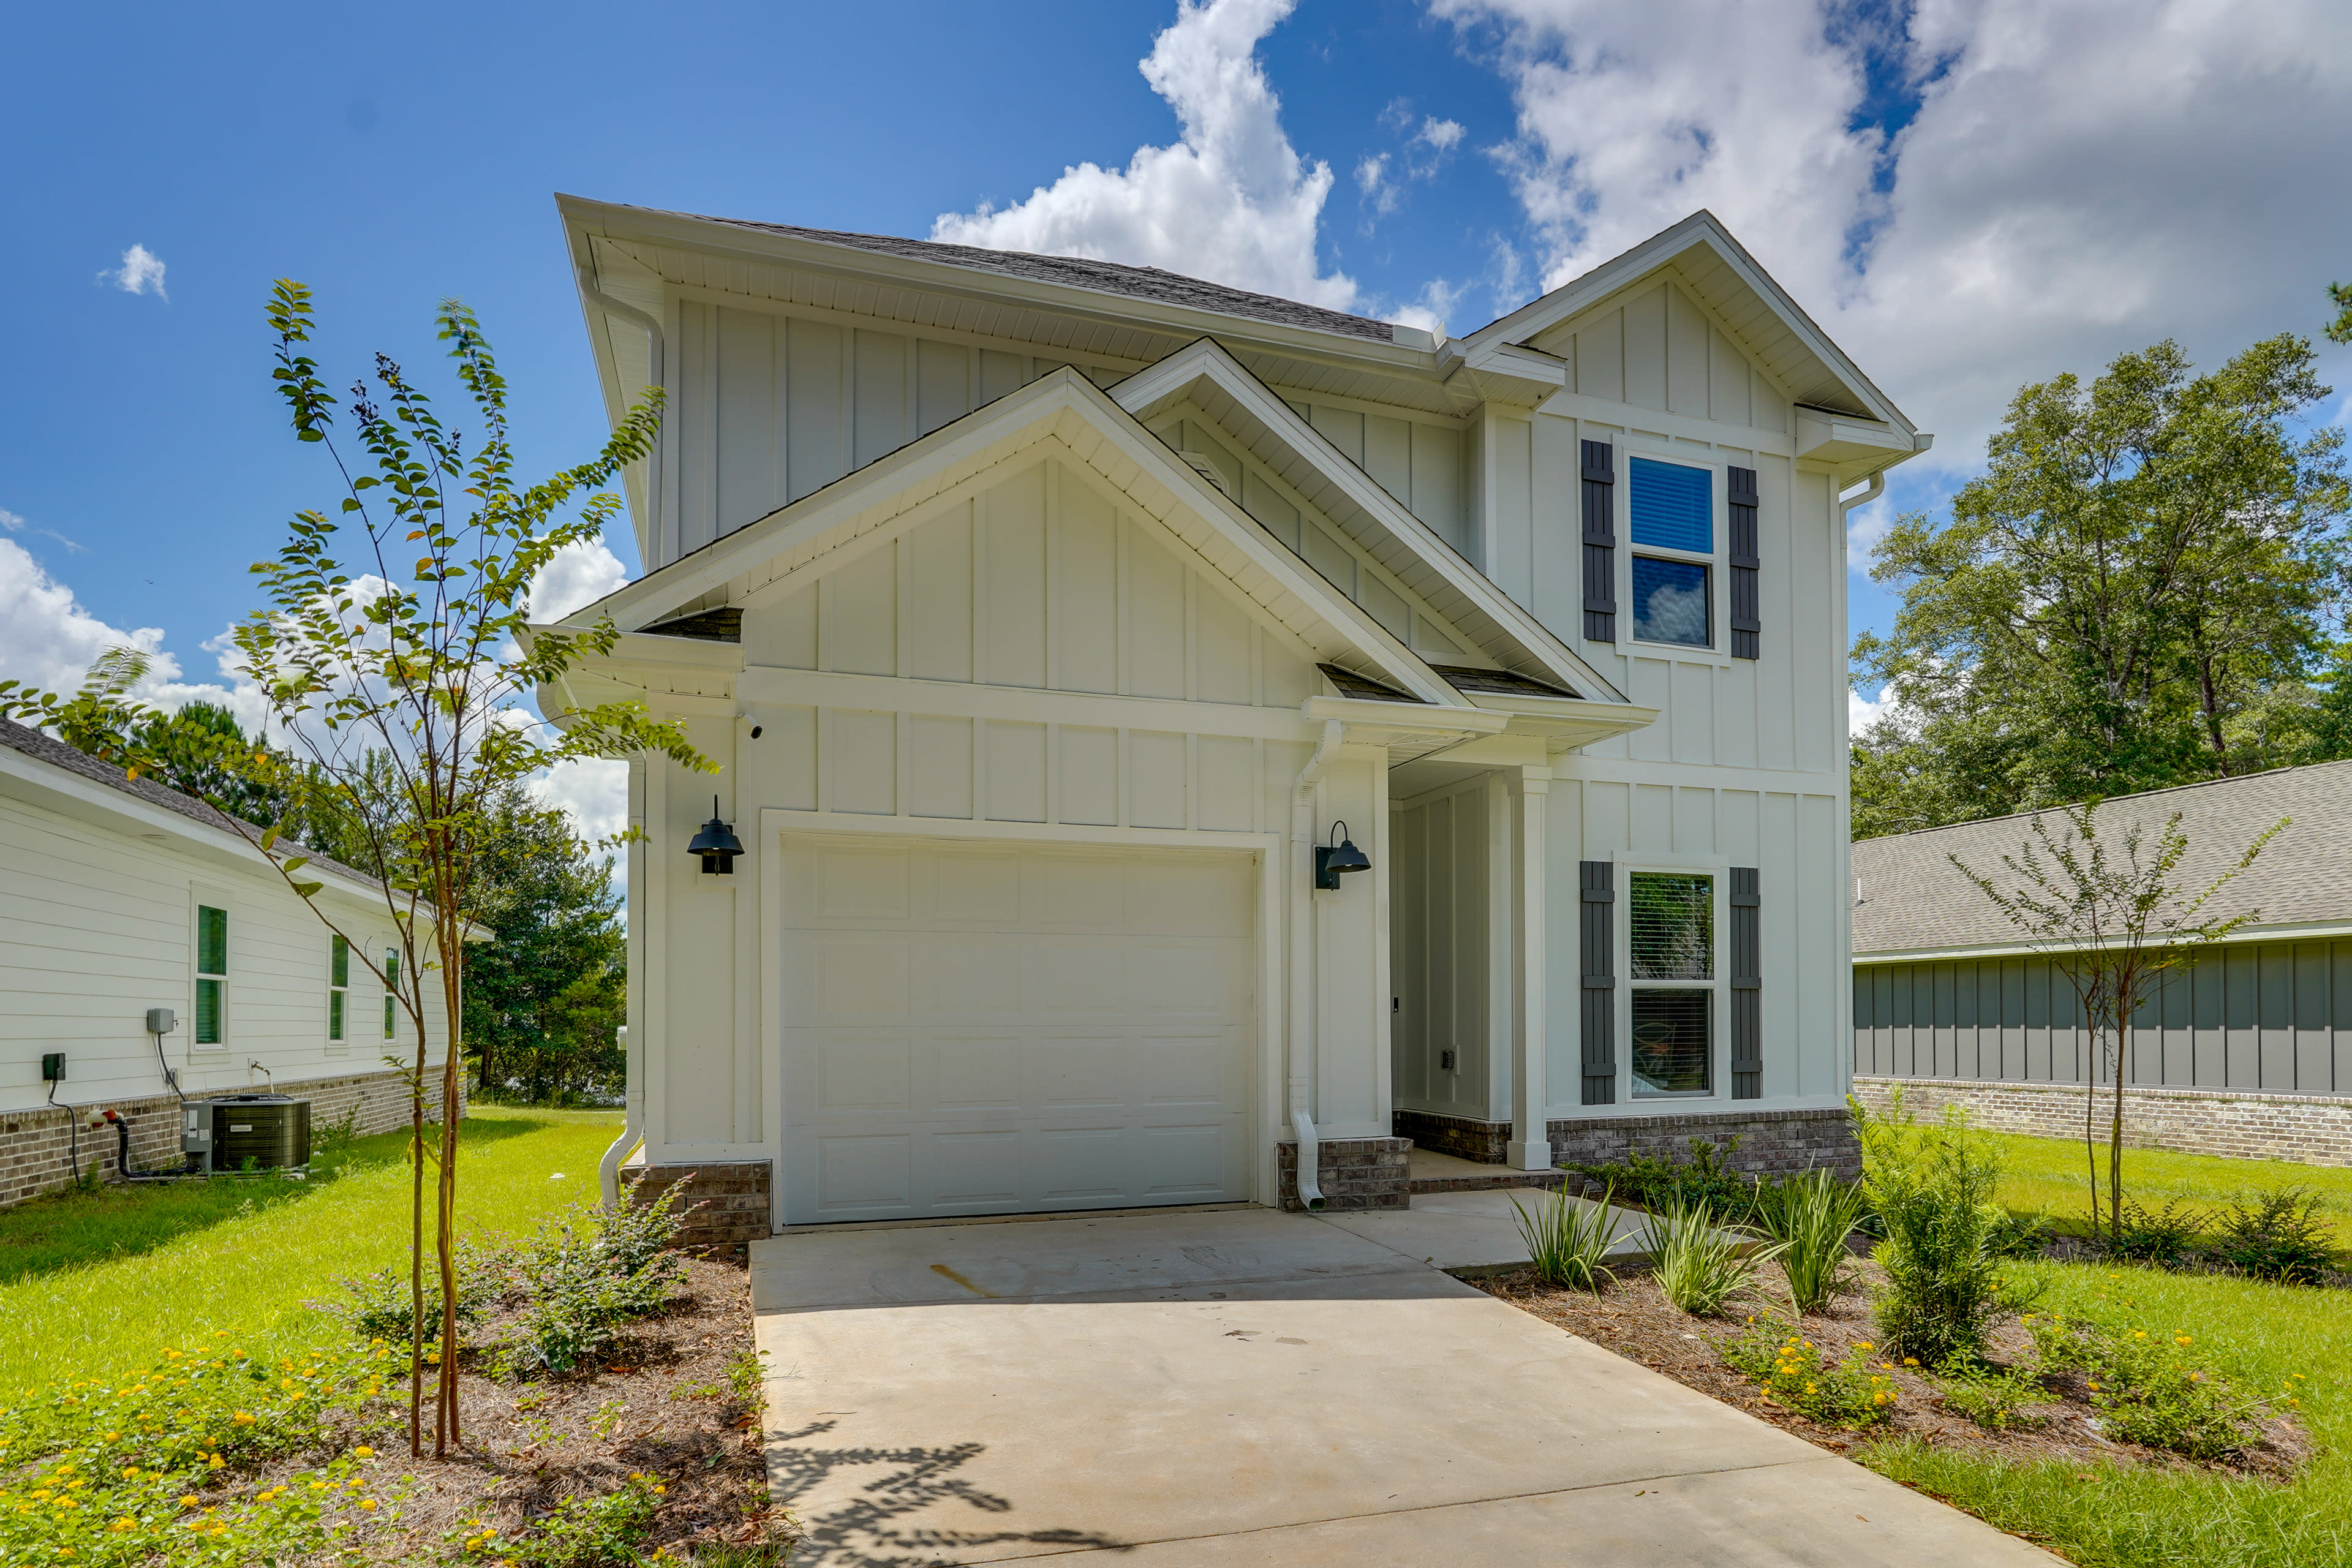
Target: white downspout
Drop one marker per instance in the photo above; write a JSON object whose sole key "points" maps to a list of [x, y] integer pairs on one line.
{"points": [[633, 1122], [1878, 488], [1302, 957]]}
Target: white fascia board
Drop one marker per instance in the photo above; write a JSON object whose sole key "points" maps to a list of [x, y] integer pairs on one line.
{"points": [[1171, 380], [2303, 930], [1701, 228], [1566, 723], [1370, 722], [930, 464]]}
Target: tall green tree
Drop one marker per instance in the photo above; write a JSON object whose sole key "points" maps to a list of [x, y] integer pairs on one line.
{"points": [[2115, 602]]}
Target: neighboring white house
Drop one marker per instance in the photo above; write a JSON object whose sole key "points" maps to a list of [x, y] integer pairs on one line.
{"points": [[118, 895], [1046, 615]]}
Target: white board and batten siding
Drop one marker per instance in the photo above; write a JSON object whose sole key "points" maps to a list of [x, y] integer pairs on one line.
{"points": [[98, 924]]}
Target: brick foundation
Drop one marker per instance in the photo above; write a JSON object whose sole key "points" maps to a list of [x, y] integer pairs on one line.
{"points": [[1774, 1141], [1354, 1174], [35, 1145], [2311, 1130], [1487, 1142], [728, 1201]]}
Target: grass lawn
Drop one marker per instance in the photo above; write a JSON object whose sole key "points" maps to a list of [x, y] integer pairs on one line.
{"points": [[98, 1283], [2050, 1173], [2118, 1517]]}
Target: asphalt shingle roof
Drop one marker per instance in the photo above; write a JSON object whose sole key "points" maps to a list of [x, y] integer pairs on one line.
{"points": [[1078, 272], [1913, 898]]}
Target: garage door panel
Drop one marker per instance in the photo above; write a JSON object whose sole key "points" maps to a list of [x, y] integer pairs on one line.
{"points": [[999, 1028]]}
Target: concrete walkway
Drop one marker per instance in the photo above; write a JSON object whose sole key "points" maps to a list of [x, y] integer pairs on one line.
{"points": [[1218, 1387]]}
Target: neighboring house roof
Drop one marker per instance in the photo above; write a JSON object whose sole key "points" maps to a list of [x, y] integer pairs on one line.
{"points": [[1913, 901], [1078, 272]]}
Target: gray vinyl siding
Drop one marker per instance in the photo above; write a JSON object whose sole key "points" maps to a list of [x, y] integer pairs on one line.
{"points": [[2275, 1017]]}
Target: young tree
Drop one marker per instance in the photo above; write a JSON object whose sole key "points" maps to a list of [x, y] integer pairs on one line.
{"points": [[397, 672], [2110, 601], [2117, 920]]}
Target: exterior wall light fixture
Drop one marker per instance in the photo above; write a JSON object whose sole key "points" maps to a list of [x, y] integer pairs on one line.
{"points": [[1331, 862], [716, 843]]}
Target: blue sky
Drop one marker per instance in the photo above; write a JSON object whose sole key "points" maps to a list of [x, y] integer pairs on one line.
{"points": [[1967, 196]]}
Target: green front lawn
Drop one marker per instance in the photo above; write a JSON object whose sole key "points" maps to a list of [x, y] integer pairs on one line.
{"points": [[92, 1284], [2050, 1174]]}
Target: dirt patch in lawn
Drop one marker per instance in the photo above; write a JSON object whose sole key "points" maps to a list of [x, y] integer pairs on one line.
{"points": [[1633, 1319], [667, 1401]]}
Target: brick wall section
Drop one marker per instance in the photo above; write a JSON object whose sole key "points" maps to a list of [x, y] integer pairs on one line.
{"points": [[724, 1201], [1354, 1174], [2311, 1130], [35, 1145], [1774, 1141], [1487, 1142]]}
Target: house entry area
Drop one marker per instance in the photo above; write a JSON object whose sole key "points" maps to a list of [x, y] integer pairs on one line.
{"points": [[974, 1028]]}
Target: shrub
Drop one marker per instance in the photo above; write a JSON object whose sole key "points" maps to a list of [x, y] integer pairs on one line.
{"points": [[1792, 1372], [1699, 1265], [1996, 1401], [602, 1531], [1566, 1238], [1811, 1216], [2151, 1389], [2163, 1237], [2016, 1236], [588, 1272], [379, 1303], [2277, 1236], [1932, 1185], [1704, 1181]]}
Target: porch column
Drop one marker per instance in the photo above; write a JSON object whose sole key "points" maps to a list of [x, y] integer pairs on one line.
{"points": [[1530, 1148]]}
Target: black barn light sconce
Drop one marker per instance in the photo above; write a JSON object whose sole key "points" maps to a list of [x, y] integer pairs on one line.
{"points": [[716, 843], [1334, 861]]}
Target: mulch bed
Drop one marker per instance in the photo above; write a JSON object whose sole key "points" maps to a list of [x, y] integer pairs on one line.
{"points": [[659, 1404], [1633, 1319]]}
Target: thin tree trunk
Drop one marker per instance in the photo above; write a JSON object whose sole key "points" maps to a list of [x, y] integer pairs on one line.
{"points": [[446, 1237], [2091, 1122], [2115, 1128], [416, 1257]]}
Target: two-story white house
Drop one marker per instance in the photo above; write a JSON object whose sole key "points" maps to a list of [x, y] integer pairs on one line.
{"points": [[1047, 618]]}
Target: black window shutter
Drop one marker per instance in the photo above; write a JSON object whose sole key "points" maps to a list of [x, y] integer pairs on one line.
{"points": [[1600, 545], [1596, 931], [1747, 982], [1746, 627]]}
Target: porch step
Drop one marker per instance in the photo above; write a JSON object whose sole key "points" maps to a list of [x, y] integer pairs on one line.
{"points": [[1435, 1173]]}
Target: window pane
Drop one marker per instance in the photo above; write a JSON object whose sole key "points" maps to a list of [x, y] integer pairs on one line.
{"points": [[340, 968], [1672, 920], [391, 967], [211, 940], [391, 1019], [1670, 601], [334, 1014], [1670, 1041], [208, 1012], [1674, 506]]}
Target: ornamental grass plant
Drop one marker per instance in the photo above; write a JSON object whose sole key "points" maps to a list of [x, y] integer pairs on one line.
{"points": [[1567, 1238], [1811, 1216], [1699, 1265]]}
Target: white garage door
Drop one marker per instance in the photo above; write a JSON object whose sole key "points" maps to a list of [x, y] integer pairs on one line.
{"points": [[991, 1029]]}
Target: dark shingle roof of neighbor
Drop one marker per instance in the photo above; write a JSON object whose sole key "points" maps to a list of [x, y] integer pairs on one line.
{"points": [[1078, 272], [49, 749], [1913, 898]]}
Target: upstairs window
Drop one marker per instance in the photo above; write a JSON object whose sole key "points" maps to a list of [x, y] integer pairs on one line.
{"points": [[339, 979], [1670, 942], [212, 974], [1671, 521]]}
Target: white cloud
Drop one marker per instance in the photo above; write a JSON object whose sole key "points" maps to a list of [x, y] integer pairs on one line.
{"points": [[1444, 135], [48, 640], [593, 792], [11, 522], [142, 272], [579, 574], [1231, 201], [1861, 713], [2081, 178]]}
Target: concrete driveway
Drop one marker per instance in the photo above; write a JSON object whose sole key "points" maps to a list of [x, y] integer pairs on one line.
{"points": [[1233, 1386]]}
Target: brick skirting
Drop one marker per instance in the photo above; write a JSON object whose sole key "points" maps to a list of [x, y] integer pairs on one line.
{"points": [[726, 1201], [1774, 1141], [2311, 1130], [36, 1146], [1354, 1174], [1487, 1142]]}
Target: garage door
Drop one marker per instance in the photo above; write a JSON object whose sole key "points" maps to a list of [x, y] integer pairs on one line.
{"points": [[995, 1029]]}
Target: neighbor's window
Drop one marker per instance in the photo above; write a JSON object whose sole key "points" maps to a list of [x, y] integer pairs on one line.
{"points": [[1671, 941], [1673, 509], [212, 972], [339, 979], [391, 993]]}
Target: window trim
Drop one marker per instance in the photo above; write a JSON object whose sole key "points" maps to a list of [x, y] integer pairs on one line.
{"points": [[338, 994], [199, 899], [1718, 1013], [391, 997], [1718, 647]]}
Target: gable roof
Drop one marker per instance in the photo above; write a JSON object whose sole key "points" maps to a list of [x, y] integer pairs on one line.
{"points": [[1914, 901], [1755, 310]]}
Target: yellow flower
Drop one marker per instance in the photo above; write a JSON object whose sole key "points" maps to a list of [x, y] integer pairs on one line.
{"points": [[213, 1462], [367, 1503], [1910, 1360], [242, 1418], [2182, 1340], [363, 1451], [190, 1500]]}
